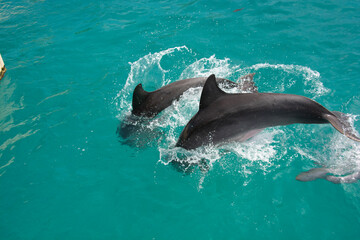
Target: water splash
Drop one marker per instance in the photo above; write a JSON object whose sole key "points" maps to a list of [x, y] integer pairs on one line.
{"points": [[344, 153], [139, 71], [207, 66], [310, 78], [339, 154]]}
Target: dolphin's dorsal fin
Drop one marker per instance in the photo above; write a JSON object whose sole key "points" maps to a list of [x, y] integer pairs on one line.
{"points": [[139, 97], [210, 92]]}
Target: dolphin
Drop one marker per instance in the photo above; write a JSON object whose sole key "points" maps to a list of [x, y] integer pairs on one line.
{"points": [[313, 174], [322, 173], [224, 117], [149, 104]]}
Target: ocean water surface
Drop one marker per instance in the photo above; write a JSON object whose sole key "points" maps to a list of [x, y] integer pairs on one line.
{"points": [[65, 173]]}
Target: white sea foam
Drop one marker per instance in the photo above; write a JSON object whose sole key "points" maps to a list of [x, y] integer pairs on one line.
{"points": [[344, 153], [311, 78], [340, 154], [262, 147], [206, 66]]}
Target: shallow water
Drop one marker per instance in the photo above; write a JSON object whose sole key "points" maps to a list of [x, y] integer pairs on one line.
{"points": [[72, 67]]}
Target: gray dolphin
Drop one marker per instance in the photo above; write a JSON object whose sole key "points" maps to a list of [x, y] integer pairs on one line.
{"points": [[323, 173], [224, 117], [149, 104], [313, 174]]}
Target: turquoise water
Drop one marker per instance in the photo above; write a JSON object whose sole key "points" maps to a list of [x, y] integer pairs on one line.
{"points": [[72, 66]]}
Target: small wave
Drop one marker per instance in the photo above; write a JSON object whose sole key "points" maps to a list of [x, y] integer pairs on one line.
{"points": [[7, 108], [18, 137], [55, 95], [6, 165]]}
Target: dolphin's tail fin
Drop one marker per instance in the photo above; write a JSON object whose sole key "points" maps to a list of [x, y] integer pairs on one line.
{"points": [[323, 173], [247, 83], [139, 97], [341, 123], [351, 178]]}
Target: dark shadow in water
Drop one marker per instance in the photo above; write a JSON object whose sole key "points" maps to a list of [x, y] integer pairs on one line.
{"points": [[187, 168], [135, 131], [183, 163]]}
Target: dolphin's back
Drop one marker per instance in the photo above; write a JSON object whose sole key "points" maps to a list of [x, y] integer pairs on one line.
{"points": [[239, 116], [271, 109], [149, 104]]}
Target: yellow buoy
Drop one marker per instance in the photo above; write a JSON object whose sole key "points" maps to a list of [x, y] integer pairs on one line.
{"points": [[2, 68]]}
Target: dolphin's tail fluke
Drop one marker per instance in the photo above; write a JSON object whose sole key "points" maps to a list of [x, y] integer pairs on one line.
{"points": [[323, 173], [351, 178], [340, 122], [247, 83]]}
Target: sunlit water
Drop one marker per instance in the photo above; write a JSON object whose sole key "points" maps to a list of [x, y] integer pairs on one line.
{"points": [[72, 66]]}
